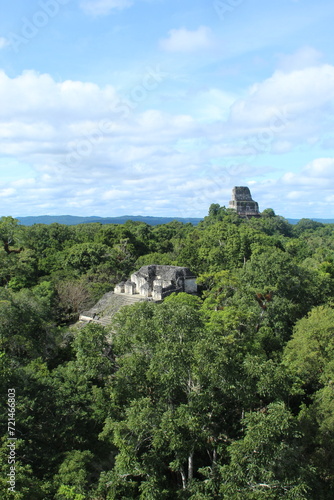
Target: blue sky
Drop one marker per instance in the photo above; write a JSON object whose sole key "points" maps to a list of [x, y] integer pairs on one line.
{"points": [[160, 107]]}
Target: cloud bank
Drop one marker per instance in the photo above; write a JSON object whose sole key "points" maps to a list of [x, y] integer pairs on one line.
{"points": [[184, 40], [85, 148]]}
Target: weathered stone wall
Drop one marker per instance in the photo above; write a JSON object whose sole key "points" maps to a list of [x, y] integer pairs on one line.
{"points": [[243, 203], [190, 285], [241, 193], [130, 287], [120, 287], [157, 280]]}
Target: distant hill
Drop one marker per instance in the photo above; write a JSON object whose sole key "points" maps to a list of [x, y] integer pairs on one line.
{"points": [[323, 221], [72, 220]]}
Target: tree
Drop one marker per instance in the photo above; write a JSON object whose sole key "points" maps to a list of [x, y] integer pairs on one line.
{"points": [[10, 233], [74, 297], [93, 353], [272, 224], [85, 256], [268, 462], [72, 476], [26, 331], [308, 357], [310, 351], [268, 212], [41, 237], [294, 290], [27, 485], [308, 225], [214, 210], [154, 382]]}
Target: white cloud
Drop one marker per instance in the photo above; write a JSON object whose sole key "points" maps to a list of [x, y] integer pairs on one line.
{"points": [[303, 193], [116, 194], [294, 94], [3, 42], [183, 40], [89, 159], [104, 7], [305, 57], [295, 195], [318, 174], [320, 167], [71, 136], [285, 110], [36, 95], [212, 104], [7, 192]]}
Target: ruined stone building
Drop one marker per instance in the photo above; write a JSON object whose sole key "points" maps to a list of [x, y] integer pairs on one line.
{"points": [[243, 203], [152, 282], [157, 282]]}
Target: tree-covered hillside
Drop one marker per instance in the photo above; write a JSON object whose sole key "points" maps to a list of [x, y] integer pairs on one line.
{"points": [[225, 395]]}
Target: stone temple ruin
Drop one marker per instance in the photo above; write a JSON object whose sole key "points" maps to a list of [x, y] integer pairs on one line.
{"points": [[243, 203], [157, 282], [149, 283]]}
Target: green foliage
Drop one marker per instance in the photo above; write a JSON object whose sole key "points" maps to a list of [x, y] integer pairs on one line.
{"points": [[25, 329], [268, 212], [154, 258], [272, 224], [310, 352], [72, 476], [85, 256], [93, 352], [224, 395], [27, 486], [304, 225], [308, 357], [218, 213], [267, 463], [41, 237], [69, 493], [10, 231]]}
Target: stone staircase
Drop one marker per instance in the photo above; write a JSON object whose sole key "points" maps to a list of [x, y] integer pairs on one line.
{"points": [[131, 299], [103, 312], [104, 321]]}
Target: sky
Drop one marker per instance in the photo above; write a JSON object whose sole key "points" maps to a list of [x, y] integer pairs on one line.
{"points": [[161, 107]]}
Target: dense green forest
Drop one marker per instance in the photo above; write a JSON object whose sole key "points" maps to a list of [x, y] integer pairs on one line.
{"points": [[224, 395]]}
